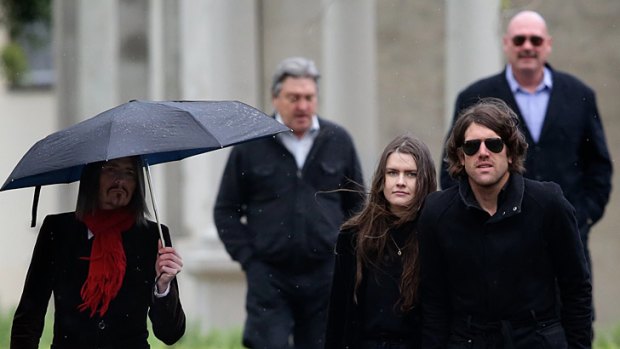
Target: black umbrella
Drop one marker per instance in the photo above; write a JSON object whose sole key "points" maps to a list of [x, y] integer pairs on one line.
{"points": [[157, 131]]}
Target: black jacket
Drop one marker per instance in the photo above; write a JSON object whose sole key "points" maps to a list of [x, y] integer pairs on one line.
{"points": [[479, 271], [57, 267], [571, 151], [268, 209], [345, 323]]}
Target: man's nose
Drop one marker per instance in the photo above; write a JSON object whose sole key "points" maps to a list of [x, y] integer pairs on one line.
{"points": [[483, 151]]}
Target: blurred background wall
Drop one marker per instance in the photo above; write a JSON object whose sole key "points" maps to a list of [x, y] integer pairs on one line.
{"points": [[388, 67]]}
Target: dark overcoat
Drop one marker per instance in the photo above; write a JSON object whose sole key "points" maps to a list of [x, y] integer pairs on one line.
{"points": [[345, 315], [58, 267], [268, 209], [519, 276]]}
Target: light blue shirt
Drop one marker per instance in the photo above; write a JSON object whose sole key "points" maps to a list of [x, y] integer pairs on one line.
{"points": [[533, 105], [299, 147]]}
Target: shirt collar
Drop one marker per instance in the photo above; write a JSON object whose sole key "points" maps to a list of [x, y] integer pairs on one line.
{"points": [[546, 83], [314, 128]]}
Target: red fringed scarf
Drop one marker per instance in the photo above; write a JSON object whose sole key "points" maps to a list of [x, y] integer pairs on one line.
{"points": [[107, 258]]}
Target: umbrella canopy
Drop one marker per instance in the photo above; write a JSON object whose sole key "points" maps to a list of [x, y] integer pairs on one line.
{"points": [[157, 131]]}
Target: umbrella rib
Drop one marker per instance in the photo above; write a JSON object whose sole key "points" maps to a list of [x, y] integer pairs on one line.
{"points": [[199, 124]]}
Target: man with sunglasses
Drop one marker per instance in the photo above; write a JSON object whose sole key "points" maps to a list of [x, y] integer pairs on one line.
{"points": [[502, 265], [558, 116]]}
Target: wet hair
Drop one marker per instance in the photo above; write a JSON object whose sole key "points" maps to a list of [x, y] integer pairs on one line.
{"points": [[296, 67], [375, 220], [496, 115], [88, 192]]}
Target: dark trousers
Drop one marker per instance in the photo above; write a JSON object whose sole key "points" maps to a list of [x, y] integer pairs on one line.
{"points": [[468, 334], [286, 309], [388, 344]]}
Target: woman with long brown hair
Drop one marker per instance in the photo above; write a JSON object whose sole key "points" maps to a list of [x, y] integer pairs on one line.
{"points": [[373, 300]]}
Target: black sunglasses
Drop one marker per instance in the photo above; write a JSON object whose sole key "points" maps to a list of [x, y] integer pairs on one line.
{"points": [[472, 146], [536, 40]]}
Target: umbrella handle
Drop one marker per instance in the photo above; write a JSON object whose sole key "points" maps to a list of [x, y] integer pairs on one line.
{"points": [[153, 201], [35, 205]]}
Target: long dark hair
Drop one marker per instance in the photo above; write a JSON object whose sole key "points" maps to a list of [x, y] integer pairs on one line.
{"points": [[88, 192], [496, 115], [375, 219]]}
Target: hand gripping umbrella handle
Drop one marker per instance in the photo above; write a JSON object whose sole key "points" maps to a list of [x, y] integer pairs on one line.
{"points": [[153, 201]]}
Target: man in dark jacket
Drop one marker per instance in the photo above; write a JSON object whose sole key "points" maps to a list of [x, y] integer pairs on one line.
{"points": [[279, 208], [558, 116], [502, 264]]}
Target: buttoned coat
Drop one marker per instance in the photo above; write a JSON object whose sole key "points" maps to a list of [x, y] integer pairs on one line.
{"points": [[59, 267], [270, 210]]}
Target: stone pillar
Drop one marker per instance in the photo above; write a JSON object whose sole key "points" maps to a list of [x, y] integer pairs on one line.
{"points": [[289, 28], [219, 58], [473, 45], [164, 77], [133, 50], [86, 62], [349, 73]]}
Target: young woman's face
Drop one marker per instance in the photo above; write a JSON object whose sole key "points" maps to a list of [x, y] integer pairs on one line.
{"points": [[117, 183], [401, 173]]}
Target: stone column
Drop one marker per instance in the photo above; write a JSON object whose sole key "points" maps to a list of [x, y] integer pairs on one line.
{"points": [[219, 58], [349, 73], [86, 63], [289, 28], [164, 77], [473, 45]]}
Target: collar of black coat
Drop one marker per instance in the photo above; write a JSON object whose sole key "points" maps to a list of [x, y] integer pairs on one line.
{"points": [[509, 200]]}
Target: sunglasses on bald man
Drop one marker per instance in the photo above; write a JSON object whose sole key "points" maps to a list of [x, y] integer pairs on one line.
{"points": [[519, 40]]}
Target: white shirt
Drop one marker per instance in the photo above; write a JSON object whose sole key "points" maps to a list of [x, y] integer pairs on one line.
{"points": [[299, 147]]}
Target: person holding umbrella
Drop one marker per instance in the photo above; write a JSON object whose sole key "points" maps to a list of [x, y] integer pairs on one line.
{"points": [[106, 268], [374, 301], [279, 209]]}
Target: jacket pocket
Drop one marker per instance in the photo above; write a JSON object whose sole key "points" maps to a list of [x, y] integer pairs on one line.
{"points": [[265, 183], [552, 336], [459, 342], [332, 176]]}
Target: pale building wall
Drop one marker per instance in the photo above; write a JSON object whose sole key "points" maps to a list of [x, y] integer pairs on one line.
{"points": [[27, 116]]}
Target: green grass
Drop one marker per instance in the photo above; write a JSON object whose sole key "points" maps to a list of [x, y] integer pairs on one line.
{"points": [[607, 339], [216, 339]]}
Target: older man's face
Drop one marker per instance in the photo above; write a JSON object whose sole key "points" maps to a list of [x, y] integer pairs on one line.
{"points": [[296, 103], [117, 183], [527, 44]]}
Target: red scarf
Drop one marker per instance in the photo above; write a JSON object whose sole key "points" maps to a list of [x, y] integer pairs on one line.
{"points": [[107, 258]]}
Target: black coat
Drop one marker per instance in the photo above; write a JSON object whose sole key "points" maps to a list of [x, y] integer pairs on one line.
{"points": [[483, 275], [345, 323], [57, 267], [269, 210], [571, 151]]}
